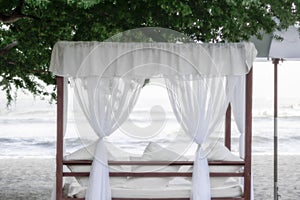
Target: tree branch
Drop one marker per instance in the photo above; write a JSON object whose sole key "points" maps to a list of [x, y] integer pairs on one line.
{"points": [[15, 15], [8, 47]]}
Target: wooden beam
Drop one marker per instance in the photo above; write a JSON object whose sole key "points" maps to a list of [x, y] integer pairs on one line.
{"points": [[155, 174], [248, 135], [214, 198], [59, 138], [228, 127], [89, 162]]}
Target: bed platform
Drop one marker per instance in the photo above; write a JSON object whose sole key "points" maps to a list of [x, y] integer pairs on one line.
{"points": [[233, 191], [245, 164]]}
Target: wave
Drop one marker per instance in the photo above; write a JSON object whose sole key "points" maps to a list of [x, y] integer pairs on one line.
{"points": [[46, 147], [296, 138], [261, 139], [29, 141], [36, 146], [26, 120], [41, 113]]}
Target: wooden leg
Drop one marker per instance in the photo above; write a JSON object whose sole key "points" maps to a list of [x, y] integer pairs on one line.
{"points": [[248, 135], [228, 128], [59, 148]]}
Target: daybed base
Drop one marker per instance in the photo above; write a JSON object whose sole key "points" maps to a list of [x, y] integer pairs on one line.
{"points": [[157, 174], [246, 163]]}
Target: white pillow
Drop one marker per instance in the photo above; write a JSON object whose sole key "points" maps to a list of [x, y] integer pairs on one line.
{"points": [[87, 153], [218, 152], [153, 152]]}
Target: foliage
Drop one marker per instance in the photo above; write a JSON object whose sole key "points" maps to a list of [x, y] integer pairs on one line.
{"points": [[32, 27]]}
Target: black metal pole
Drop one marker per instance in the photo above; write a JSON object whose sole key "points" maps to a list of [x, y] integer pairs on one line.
{"points": [[275, 62]]}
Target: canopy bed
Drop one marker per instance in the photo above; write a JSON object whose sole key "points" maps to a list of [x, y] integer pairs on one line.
{"points": [[204, 81]]}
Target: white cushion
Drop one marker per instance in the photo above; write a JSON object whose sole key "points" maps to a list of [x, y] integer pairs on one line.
{"points": [[218, 152], [87, 153], [153, 152]]}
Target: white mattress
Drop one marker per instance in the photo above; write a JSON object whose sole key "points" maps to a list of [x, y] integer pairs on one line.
{"points": [[174, 192], [170, 191]]}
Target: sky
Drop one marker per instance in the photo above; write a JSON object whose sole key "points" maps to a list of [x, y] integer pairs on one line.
{"points": [[263, 85], [288, 80]]}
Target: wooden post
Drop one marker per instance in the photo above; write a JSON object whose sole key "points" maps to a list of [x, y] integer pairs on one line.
{"points": [[228, 128], [59, 138], [275, 62], [248, 135]]}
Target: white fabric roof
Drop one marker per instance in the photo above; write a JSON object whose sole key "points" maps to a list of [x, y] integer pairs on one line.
{"points": [[150, 59]]}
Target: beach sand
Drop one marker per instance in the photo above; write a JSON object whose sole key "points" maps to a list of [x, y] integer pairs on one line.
{"points": [[32, 178], [26, 178], [288, 177]]}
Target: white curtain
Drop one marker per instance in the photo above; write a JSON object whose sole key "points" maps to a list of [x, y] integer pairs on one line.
{"points": [[199, 103], [237, 100], [106, 103]]}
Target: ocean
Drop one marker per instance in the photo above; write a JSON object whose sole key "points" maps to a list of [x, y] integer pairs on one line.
{"points": [[28, 128]]}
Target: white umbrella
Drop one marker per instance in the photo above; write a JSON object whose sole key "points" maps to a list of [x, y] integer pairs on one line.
{"points": [[285, 48]]}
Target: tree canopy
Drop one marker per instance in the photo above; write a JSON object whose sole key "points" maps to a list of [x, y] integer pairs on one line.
{"points": [[30, 28]]}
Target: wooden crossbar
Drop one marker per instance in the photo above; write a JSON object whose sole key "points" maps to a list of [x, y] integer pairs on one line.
{"points": [[89, 162], [156, 174], [216, 198]]}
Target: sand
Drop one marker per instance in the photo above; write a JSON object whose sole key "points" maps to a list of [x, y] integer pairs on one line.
{"points": [[22, 179], [32, 178], [288, 180]]}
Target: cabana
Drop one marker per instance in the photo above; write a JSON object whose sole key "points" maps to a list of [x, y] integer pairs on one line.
{"points": [[204, 81]]}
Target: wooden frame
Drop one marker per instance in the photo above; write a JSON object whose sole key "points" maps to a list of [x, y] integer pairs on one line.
{"points": [[246, 163]]}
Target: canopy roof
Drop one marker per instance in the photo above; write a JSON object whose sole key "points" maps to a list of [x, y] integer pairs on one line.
{"points": [[71, 59]]}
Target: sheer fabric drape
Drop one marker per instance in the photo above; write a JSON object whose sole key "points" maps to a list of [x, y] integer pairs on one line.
{"points": [[106, 104], [199, 104], [236, 86]]}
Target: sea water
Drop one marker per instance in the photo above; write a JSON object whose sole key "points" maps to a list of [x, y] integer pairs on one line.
{"points": [[28, 128]]}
